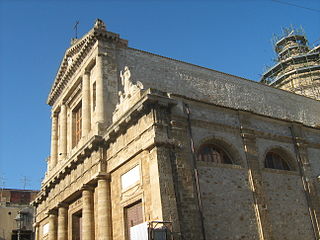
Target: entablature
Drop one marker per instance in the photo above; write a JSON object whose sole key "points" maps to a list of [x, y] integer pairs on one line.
{"points": [[84, 152]]}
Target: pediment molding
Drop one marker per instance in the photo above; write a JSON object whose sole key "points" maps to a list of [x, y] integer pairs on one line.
{"points": [[78, 52]]}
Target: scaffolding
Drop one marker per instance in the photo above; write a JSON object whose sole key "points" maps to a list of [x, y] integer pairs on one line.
{"points": [[297, 67]]}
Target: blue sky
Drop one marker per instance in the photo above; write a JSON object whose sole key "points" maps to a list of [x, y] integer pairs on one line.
{"points": [[232, 36]]}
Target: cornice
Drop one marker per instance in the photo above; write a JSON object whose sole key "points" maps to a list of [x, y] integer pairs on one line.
{"points": [[93, 144]]}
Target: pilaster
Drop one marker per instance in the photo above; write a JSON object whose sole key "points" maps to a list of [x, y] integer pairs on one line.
{"points": [[86, 111], [100, 105], [308, 181], [255, 177], [63, 133], [189, 214]]}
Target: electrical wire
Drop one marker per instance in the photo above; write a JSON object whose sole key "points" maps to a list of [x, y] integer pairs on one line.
{"points": [[295, 5]]}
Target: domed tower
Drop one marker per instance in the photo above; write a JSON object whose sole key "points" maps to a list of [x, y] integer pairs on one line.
{"points": [[297, 67]]}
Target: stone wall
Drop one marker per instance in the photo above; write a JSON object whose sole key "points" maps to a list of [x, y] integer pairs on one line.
{"points": [[216, 87], [226, 192], [228, 203], [287, 206]]}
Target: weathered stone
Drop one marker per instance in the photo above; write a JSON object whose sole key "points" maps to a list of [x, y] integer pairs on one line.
{"points": [[154, 131]]}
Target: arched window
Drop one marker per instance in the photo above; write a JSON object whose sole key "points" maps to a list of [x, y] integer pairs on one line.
{"points": [[275, 161], [213, 153]]}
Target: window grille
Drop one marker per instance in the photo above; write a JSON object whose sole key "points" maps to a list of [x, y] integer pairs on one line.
{"points": [[275, 161], [213, 153]]}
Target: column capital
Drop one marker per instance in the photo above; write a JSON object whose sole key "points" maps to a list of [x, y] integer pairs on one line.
{"points": [[63, 104], [36, 224], [63, 205], [54, 114], [86, 72], [103, 176], [87, 187], [52, 212]]}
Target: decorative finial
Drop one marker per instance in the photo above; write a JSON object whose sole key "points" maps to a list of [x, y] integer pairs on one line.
{"points": [[99, 24]]}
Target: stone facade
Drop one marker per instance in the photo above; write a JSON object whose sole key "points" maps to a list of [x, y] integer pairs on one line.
{"points": [[128, 131]]}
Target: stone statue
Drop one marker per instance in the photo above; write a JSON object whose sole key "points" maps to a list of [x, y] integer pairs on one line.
{"points": [[129, 88], [125, 80]]}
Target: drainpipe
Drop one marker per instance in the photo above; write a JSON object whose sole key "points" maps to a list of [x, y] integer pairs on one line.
{"points": [[196, 174]]}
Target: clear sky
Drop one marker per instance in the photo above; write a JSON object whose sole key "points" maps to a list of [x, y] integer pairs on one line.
{"points": [[232, 36]]}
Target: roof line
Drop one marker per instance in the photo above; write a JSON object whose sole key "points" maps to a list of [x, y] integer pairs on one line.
{"points": [[192, 64], [252, 81]]}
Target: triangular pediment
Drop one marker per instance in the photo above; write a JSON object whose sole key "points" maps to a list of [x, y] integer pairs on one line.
{"points": [[70, 62], [75, 55]]}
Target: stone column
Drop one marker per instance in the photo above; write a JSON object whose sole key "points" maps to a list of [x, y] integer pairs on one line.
{"points": [[52, 226], [100, 106], [86, 116], [54, 141], [87, 214], [36, 231], [62, 222], [63, 133], [104, 209]]}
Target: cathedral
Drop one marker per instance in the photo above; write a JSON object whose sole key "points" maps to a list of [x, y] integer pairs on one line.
{"points": [[145, 147]]}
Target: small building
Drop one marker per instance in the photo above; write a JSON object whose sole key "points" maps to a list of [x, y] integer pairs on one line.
{"points": [[16, 214], [148, 147]]}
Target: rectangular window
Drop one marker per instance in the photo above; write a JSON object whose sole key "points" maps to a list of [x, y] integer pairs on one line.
{"points": [[133, 216], [94, 96], [77, 124], [77, 226]]}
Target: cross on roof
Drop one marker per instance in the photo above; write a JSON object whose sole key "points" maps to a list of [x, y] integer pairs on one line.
{"points": [[76, 28]]}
